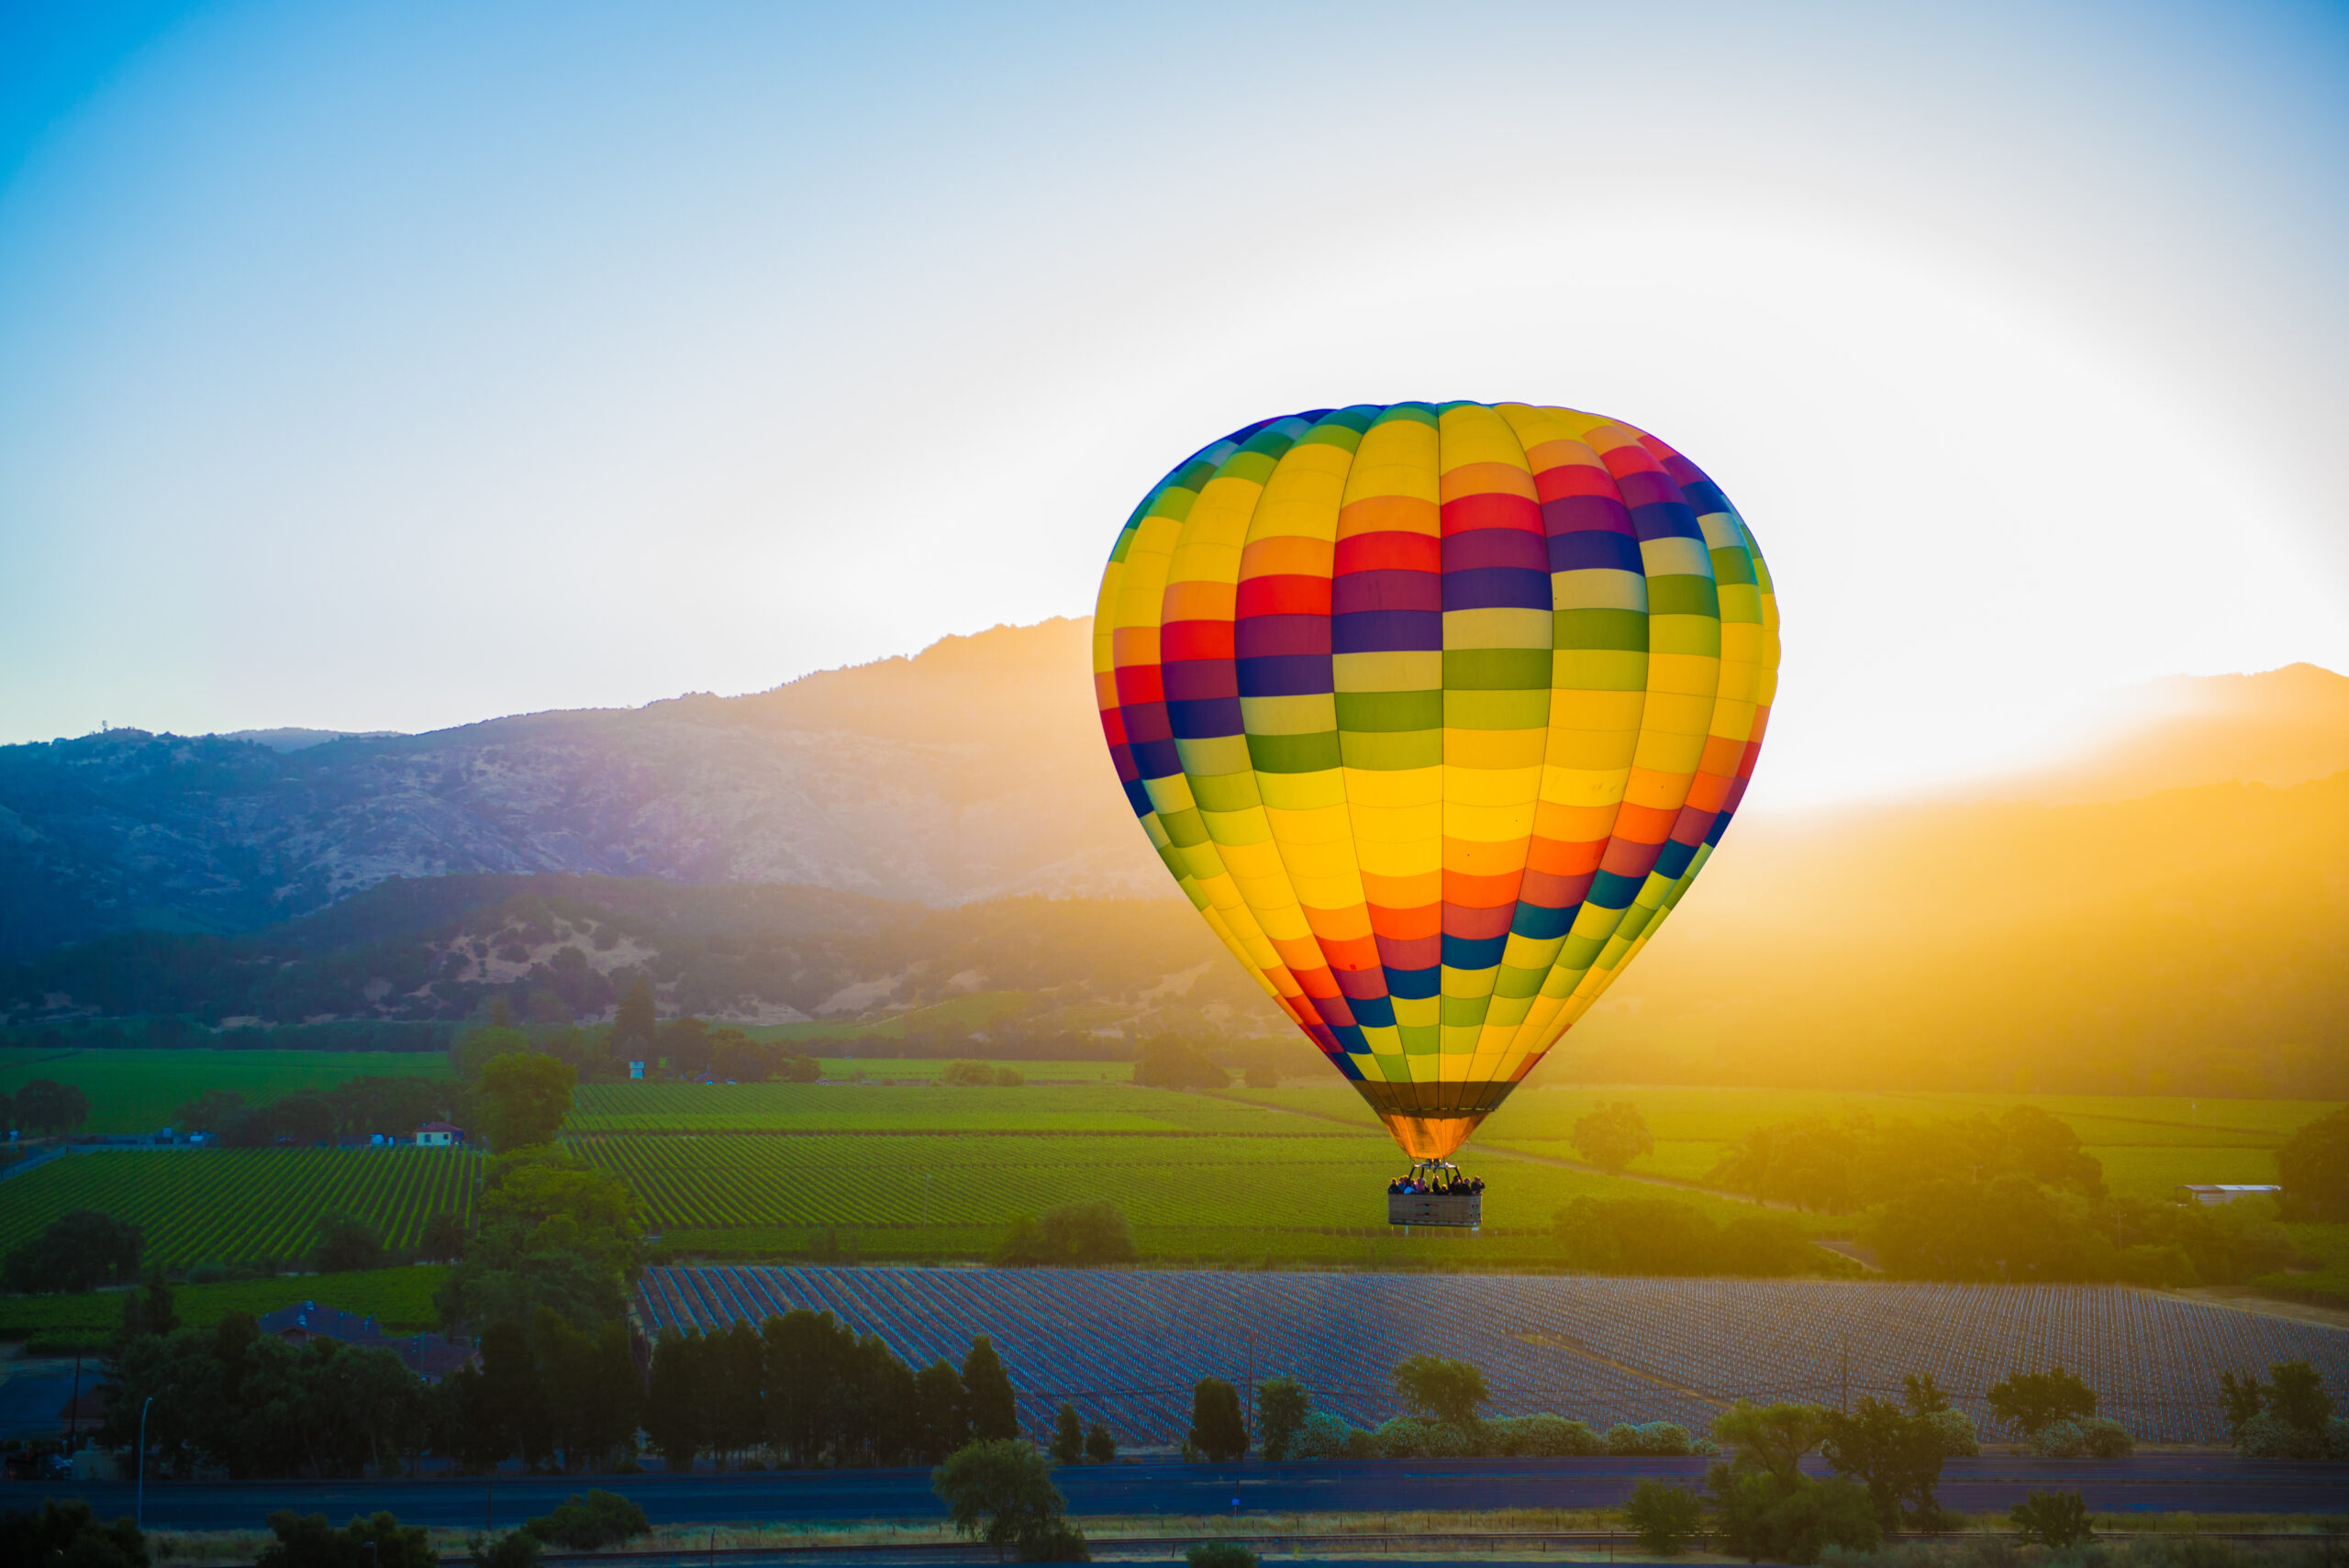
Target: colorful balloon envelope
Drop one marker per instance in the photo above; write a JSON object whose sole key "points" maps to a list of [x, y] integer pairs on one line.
{"points": [[1435, 710]]}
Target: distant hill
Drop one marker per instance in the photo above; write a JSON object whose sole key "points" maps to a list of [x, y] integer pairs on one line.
{"points": [[2281, 726], [974, 771], [562, 950], [2191, 940]]}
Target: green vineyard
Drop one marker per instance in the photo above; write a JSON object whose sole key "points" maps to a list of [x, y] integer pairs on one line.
{"points": [[1194, 1183], [238, 1206], [907, 1107]]}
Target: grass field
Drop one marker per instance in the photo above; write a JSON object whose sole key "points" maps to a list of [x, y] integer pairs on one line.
{"points": [[238, 1206], [138, 1091], [401, 1298]]}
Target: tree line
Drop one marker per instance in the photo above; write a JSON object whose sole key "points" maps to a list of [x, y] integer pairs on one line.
{"points": [[2013, 1199]]}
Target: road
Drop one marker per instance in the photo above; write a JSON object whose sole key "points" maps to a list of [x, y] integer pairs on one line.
{"points": [[2159, 1483]]}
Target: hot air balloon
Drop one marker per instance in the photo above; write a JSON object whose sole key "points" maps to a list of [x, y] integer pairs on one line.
{"points": [[1435, 710]]}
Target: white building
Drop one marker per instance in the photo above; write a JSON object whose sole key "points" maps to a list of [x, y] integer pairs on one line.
{"points": [[2223, 1192]]}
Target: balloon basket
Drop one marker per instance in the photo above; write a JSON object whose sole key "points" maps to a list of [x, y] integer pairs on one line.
{"points": [[1430, 1204]]}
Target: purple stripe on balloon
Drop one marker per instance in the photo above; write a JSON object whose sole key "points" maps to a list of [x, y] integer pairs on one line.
{"points": [[1497, 587], [1206, 719], [1380, 631], [1593, 551], [1260, 636], [1286, 675]]}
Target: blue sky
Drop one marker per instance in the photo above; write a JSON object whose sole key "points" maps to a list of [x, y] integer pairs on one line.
{"points": [[394, 366]]}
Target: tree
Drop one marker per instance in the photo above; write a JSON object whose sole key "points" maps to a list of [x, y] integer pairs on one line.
{"points": [[1446, 1391], [1000, 1491], [737, 1417], [2288, 1417], [1073, 1234], [594, 1398], [675, 1411], [444, 1237], [804, 1356], [1790, 1518], [554, 1231], [148, 1310], [1922, 1394], [1613, 1136], [1667, 1517], [635, 1026], [513, 1397], [79, 1252], [525, 1094], [1219, 1429], [2313, 1167], [684, 1043], [1282, 1405], [345, 1243], [2056, 1519], [1896, 1454], [2030, 1402], [987, 1395], [69, 1533], [1068, 1436], [941, 1416], [1170, 1061], [45, 1107], [1772, 1438], [1100, 1448]]}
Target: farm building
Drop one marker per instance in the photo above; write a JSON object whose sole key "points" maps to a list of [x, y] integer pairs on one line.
{"points": [[439, 1135], [2223, 1192]]}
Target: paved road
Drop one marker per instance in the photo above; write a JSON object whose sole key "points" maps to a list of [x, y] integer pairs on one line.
{"points": [[2152, 1483]]}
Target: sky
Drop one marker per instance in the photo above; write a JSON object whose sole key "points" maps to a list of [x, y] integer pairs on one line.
{"points": [[395, 366]]}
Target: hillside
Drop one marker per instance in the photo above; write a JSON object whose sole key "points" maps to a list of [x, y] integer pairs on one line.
{"points": [[560, 950], [971, 772], [2193, 941]]}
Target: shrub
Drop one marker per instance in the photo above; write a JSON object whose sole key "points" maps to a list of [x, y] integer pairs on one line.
{"points": [[345, 1244], [591, 1522], [69, 1532], [514, 1549], [2051, 1518], [1220, 1554], [1544, 1437], [1791, 1518], [1650, 1437], [1957, 1435], [2094, 1437], [967, 1074], [1324, 1436], [1415, 1437], [1667, 1517]]}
